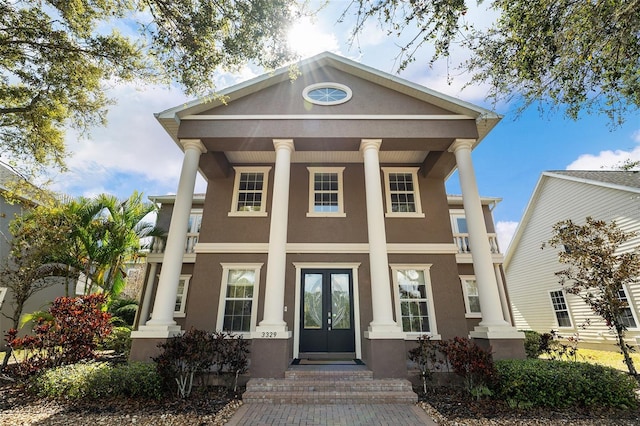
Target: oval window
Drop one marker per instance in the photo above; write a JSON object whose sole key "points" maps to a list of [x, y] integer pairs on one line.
{"points": [[327, 93]]}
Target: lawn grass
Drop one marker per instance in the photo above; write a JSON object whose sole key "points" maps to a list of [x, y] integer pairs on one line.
{"points": [[607, 358]]}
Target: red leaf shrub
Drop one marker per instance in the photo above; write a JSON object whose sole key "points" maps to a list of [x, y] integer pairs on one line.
{"points": [[76, 326]]}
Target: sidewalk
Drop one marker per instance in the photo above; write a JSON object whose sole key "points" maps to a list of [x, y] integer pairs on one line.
{"points": [[343, 415]]}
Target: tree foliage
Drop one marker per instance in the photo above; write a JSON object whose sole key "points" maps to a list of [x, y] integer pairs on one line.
{"points": [[57, 58], [598, 266], [577, 56]]}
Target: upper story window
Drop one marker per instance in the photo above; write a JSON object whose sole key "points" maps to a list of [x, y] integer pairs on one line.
{"points": [[414, 301], [325, 191], [560, 308], [195, 221], [327, 93], [627, 318], [181, 296], [250, 191], [238, 308], [471, 296], [402, 192]]}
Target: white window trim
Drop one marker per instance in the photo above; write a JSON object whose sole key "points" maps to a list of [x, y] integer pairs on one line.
{"points": [[195, 212], [226, 267], [183, 304], [467, 307], [236, 186], [416, 192], [347, 90], [633, 311], [312, 171], [3, 293], [553, 309], [408, 335], [453, 215]]}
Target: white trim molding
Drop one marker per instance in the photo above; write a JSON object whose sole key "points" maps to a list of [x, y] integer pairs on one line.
{"points": [[341, 248]]}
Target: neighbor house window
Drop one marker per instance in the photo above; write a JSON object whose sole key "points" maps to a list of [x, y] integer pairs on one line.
{"points": [[325, 191], [560, 308], [181, 296], [414, 302], [238, 299], [627, 317], [402, 193], [250, 191], [471, 297]]}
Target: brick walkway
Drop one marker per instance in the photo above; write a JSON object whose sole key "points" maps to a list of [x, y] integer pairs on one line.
{"points": [[335, 415]]}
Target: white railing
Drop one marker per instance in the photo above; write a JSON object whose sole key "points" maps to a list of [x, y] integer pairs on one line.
{"points": [[462, 242], [157, 246]]}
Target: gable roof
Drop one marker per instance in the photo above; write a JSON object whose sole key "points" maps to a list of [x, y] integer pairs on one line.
{"points": [[614, 179], [485, 119]]}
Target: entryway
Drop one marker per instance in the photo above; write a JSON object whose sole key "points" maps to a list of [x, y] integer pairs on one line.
{"points": [[327, 326]]}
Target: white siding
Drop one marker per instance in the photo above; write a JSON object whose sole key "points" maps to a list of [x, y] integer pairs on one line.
{"points": [[530, 271]]}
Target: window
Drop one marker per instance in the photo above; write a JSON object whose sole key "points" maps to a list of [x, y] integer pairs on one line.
{"points": [[414, 303], [471, 297], [402, 193], [181, 296], [460, 231], [237, 311], [560, 308], [250, 191], [193, 230], [325, 191], [627, 317], [327, 93]]}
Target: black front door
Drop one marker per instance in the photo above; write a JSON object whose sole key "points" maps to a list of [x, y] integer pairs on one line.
{"points": [[327, 311]]}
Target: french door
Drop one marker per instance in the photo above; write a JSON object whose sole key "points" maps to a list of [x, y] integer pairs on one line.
{"points": [[326, 311]]}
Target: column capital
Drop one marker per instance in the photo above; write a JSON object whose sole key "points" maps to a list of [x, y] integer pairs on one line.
{"points": [[370, 144], [284, 144], [193, 144], [461, 144]]}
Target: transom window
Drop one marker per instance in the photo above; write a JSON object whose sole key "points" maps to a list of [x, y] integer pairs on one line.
{"points": [[402, 193], [325, 191], [627, 317], [414, 302], [237, 310], [560, 308], [181, 296], [250, 191], [471, 296]]}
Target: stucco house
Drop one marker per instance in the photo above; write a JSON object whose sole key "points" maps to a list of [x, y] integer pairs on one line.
{"points": [[539, 303], [325, 230]]}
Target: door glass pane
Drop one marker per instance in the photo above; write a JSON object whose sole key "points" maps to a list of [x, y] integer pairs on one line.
{"points": [[313, 301], [340, 302]]}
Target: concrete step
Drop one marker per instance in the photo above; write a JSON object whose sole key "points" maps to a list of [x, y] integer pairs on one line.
{"points": [[329, 385], [333, 397], [288, 385]]}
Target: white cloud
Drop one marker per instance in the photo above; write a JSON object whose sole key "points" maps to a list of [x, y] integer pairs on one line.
{"points": [[306, 38], [505, 231], [608, 159]]}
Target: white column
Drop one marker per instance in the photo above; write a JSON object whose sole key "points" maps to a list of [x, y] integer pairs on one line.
{"points": [[273, 320], [383, 325], [148, 291], [478, 239], [161, 323]]}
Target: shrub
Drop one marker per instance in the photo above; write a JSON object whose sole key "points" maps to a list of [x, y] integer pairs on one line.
{"points": [[118, 341], [472, 363], [96, 380], [70, 334], [559, 384], [425, 355], [532, 341], [197, 352]]}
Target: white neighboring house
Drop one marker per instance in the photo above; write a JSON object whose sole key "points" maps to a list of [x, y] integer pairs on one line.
{"points": [[538, 300]]}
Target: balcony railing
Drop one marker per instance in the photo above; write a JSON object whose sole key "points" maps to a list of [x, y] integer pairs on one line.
{"points": [[158, 244], [462, 242]]}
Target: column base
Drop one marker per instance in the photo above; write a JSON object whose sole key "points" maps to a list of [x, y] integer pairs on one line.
{"points": [[270, 358], [387, 358], [156, 331], [384, 331], [504, 342], [271, 331]]}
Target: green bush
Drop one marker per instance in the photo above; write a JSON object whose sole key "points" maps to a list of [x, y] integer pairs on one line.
{"points": [[118, 341], [532, 340], [95, 380], [561, 384]]}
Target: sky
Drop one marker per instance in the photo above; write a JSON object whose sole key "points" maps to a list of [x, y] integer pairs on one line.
{"points": [[133, 152]]}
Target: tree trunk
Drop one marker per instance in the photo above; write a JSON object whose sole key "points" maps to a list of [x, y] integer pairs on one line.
{"points": [[625, 352]]}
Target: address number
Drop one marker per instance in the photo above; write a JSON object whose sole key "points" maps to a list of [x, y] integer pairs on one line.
{"points": [[269, 334]]}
